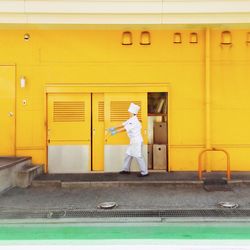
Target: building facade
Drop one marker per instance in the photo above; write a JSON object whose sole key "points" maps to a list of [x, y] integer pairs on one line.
{"points": [[69, 69]]}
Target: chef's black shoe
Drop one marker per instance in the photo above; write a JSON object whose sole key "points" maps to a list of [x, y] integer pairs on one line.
{"points": [[142, 175], [124, 172]]}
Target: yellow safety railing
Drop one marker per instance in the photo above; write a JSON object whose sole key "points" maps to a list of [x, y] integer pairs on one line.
{"points": [[214, 149]]}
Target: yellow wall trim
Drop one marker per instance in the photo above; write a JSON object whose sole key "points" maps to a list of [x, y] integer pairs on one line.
{"points": [[110, 87], [31, 148]]}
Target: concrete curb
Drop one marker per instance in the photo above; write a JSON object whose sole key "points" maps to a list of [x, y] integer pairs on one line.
{"points": [[125, 183], [151, 220], [91, 184], [38, 183]]}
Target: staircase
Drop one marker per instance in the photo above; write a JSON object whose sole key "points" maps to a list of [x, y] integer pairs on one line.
{"points": [[17, 172], [25, 176]]}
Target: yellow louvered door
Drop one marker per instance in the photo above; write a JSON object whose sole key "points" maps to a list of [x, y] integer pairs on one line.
{"points": [[116, 112], [69, 133], [97, 132]]}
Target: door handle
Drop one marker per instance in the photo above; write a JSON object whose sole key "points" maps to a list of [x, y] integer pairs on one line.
{"points": [[94, 132], [11, 114], [48, 135]]}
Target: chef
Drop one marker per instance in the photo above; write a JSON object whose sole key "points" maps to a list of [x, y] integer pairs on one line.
{"points": [[133, 128]]}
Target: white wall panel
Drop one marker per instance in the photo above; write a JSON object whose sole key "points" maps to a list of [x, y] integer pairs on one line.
{"points": [[92, 19], [124, 11], [68, 159], [12, 6], [93, 7], [12, 18], [206, 18], [206, 6]]}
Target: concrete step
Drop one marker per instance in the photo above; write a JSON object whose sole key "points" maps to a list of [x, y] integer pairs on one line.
{"points": [[89, 184], [46, 183], [9, 166], [25, 176]]}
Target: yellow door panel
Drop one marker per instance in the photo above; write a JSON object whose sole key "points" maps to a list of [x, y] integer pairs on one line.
{"points": [[97, 132], [7, 110], [69, 118], [116, 112]]}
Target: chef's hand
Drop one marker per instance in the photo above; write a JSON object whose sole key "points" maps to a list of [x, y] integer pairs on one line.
{"points": [[111, 129], [114, 132]]}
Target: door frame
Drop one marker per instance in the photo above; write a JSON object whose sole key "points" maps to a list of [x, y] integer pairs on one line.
{"points": [[14, 106], [67, 88], [97, 127], [55, 140]]}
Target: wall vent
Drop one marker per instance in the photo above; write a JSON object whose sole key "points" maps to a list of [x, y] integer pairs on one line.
{"points": [[119, 111], [101, 111], [69, 111]]}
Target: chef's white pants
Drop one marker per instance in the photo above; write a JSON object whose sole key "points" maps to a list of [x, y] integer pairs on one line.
{"points": [[140, 161]]}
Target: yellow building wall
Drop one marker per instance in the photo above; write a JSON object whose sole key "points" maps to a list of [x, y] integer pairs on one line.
{"points": [[97, 56], [230, 84]]}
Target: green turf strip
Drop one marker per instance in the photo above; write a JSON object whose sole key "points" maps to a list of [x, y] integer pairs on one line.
{"points": [[46, 232]]}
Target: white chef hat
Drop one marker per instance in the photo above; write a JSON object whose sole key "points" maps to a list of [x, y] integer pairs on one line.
{"points": [[133, 108]]}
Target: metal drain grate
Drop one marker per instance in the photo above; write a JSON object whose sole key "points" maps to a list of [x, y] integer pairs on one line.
{"points": [[215, 188], [124, 214], [215, 182]]}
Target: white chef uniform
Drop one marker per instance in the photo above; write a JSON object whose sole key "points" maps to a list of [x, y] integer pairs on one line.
{"points": [[133, 128]]}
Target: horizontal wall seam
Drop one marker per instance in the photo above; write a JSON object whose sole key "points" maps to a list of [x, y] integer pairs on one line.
{"points": [[119, 17], [124, 12], [212, 146], [31, 148]]}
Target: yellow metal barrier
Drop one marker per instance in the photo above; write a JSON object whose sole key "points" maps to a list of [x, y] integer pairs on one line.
{"points": [[214, 149]]}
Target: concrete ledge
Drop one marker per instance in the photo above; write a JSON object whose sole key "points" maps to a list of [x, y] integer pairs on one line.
{"points": [[239, 182], [87, 184], [235, 182], [25, 176], [115, 180], [246, 181], [30, 169], [9, 171], [12, 161], [53, 183], [108, 221]]}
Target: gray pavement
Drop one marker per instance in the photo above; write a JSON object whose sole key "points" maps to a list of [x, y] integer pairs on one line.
{"points": [[128, 197]]}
